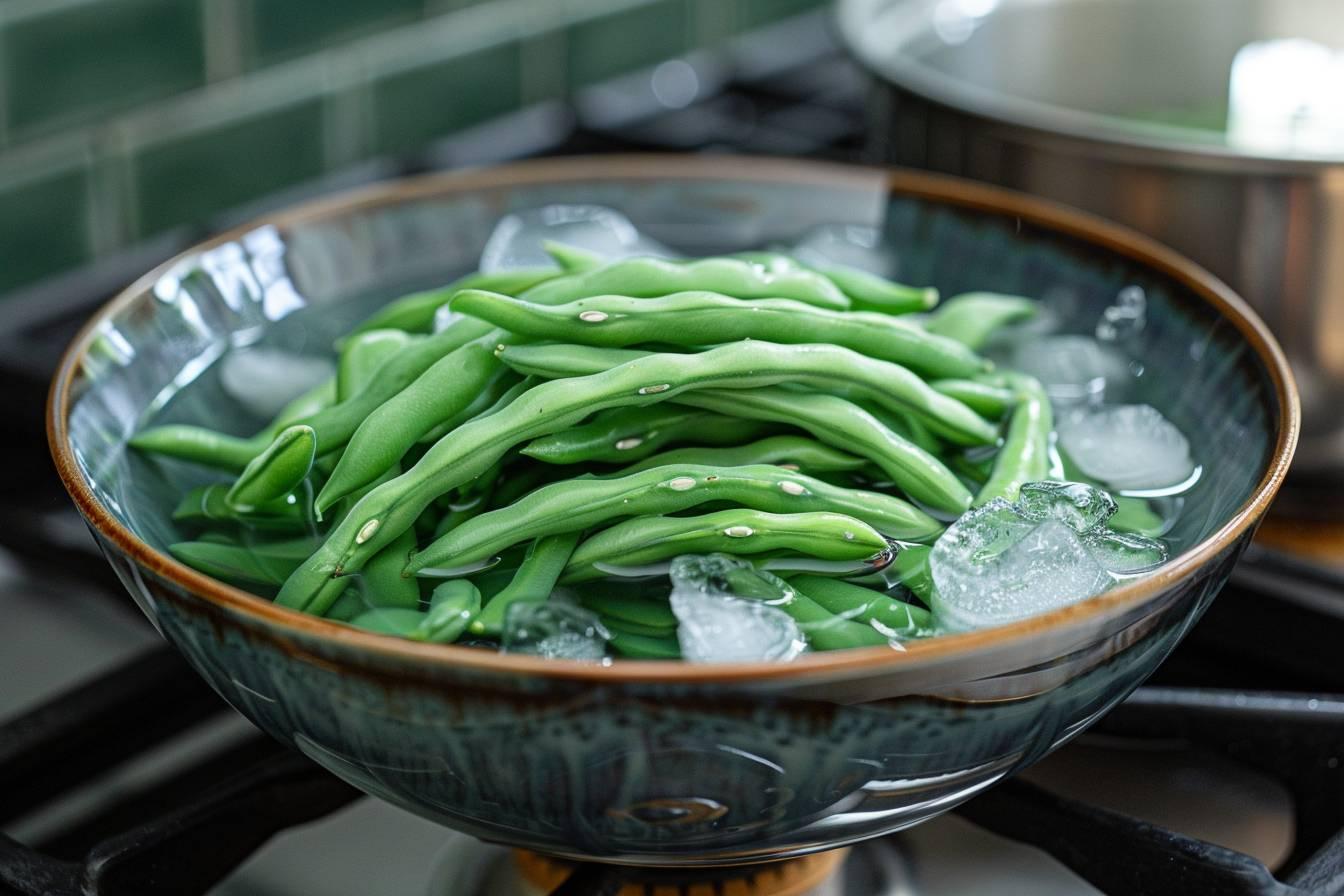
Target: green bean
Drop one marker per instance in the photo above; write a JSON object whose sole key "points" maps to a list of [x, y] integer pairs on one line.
{"points": [[844, 424], [643, 540], [348, 606], [991, 402], [392, 508], [971, 318], [789, 452], [456, 517], [894, 618], [911, 568], [554, 361], [452, 606], [495, 579], [906, 425], [362, 355], [822, 366], [383, 583], [503, 386], [1025, 456], [573, 259], [205, 505], [519, 482], [534, 581], [705, 318], [635, 628], [276, 472], [641, 647], [199, 445], [391, 429], [399, 621], [653, 615], [974, 470], [574, 505], [508, 396], [624, 434], [415, 313], [264, 563], [648, 277], [878, 294], [869, 292]]}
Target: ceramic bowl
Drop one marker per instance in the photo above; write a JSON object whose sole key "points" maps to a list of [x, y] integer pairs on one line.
{"points": [[660, 762]]}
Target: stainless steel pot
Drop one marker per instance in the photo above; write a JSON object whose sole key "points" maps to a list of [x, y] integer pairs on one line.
{"points": [[1125, 108]]}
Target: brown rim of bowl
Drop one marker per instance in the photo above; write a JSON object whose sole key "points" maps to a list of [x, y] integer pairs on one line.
{"points": [[946, 190]]}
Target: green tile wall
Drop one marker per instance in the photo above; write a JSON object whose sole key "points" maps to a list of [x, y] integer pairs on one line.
{"points": [[190, 178], [300, 89], [43, 226], [416, 106], [606, 46], [286, 28], [99, 57]]}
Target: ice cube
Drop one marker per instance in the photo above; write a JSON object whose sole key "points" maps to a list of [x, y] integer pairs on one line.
{"points": [[1074, 368], [995, 566], [264, 380], [1127, 447], [847, 245], [1082, 507], [715, 626], [555, 629], [519, 239], [1124, 553]]}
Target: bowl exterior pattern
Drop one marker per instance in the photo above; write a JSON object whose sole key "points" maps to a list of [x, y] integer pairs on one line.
{"points": [[650, 774], [681, 763]]}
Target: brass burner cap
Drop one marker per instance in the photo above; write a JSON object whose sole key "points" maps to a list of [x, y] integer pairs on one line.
{"points": [[789, 877]]}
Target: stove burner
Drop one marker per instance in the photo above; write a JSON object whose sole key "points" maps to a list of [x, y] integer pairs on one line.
{"points": [[791, 877]]}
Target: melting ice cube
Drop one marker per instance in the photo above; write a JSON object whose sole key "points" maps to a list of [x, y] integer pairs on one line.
{"points": [[1004, 562], [984, 577], [1081, 507], [554, 629], [519, 239], [1074, 368], [1128, 447], [264, 380], [716, 626]]}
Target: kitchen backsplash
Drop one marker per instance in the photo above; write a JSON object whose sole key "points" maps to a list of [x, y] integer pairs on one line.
{"points": [[121, 119]]}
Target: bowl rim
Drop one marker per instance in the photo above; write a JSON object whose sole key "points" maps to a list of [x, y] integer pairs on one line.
{"points": [[1058, 219]]}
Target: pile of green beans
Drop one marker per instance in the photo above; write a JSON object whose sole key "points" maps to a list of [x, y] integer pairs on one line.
{"points": [[570, 431]]}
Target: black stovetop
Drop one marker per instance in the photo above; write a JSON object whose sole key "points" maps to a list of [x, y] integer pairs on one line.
{"points": [[1258, 680]]}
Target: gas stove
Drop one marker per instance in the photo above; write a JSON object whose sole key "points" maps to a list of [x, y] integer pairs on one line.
{"points": [[124, 774]]}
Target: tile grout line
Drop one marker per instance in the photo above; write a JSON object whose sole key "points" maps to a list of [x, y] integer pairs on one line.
{"points": [[222, 25], [347, 118]]}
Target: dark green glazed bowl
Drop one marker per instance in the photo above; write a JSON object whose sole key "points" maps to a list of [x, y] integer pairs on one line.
{"points": [[655, 762]]}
